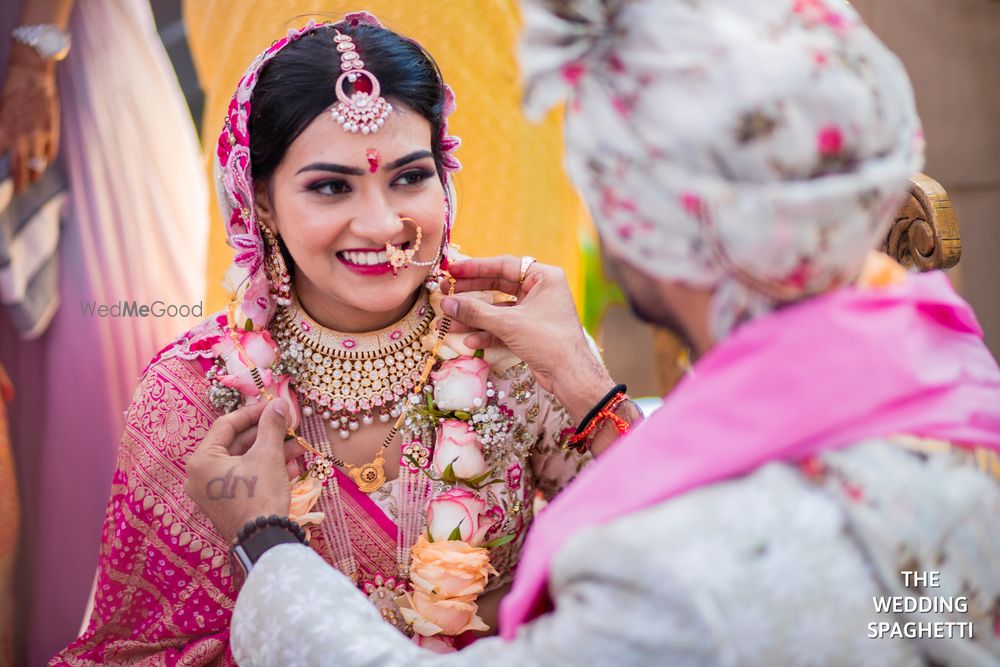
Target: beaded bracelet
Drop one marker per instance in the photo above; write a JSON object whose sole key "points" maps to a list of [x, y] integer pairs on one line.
{"points": [[262, 522], [604, 410]]}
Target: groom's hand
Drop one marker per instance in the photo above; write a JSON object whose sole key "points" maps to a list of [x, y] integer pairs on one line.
{"points": [[240, 469], [542, 327]]}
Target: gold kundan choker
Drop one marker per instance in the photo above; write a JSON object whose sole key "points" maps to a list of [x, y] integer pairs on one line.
{"points": [[351, 380]]}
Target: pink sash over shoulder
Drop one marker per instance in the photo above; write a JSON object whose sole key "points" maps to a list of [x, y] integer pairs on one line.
{"points": [[832, 371]]}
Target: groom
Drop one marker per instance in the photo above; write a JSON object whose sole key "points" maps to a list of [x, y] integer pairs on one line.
{"points": [[740, 158]]}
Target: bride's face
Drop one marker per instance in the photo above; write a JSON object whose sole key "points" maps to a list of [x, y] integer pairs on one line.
{"points": [[335, 214]]}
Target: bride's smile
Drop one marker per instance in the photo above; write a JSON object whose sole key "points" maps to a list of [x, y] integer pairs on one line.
{"points": [[335, 210]]}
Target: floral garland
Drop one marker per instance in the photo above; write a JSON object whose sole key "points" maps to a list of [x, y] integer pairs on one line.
{"points": [[449, 565]]}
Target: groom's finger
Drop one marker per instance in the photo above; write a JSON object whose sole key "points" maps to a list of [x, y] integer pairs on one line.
{"points": [[227, 428], [242, 442], [483, 284], [293, 450], [271, 431], [504, 267], [480, 340], [476, 314]]}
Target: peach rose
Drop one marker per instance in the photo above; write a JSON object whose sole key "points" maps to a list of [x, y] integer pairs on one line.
{"points": [[458, 445], [305, 494], [458, 509], [449, 569], [430, 616], [459, 383]]}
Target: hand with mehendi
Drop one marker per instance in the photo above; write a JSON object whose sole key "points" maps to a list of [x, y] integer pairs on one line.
{"points": [[241, 468], [29, 115]]}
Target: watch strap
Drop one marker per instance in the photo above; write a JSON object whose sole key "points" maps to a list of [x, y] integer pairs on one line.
{"points": [[249, 551]]}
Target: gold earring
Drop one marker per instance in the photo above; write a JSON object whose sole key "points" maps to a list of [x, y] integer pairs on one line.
{"points": [[277, 271]]}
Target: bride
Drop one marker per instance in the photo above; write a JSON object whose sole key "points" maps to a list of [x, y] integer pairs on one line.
{"points": [[334, 176]]}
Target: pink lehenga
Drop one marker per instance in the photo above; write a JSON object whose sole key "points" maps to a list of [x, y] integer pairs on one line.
{"points": [[165, 587]]}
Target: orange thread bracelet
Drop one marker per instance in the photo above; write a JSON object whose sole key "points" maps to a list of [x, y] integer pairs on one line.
{"points": [[580, 440]]}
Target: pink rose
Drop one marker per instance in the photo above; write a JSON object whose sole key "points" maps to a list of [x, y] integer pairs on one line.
{"points": [[259, 350], [440, 644], [461, 509], [458, 445], [282, 391], [260, 347], [459, 383], [244, 382]]}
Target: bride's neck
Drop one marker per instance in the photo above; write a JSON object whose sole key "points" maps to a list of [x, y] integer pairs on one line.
{"points": [[338, 316]]}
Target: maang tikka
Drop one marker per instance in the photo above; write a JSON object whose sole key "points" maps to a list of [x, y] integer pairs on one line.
{"points": [[365, 110]]}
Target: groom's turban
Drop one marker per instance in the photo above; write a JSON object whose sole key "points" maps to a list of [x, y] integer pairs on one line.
{"points": [[756, 147]]}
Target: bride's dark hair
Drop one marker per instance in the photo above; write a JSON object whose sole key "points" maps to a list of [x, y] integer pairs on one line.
{"points": [[297, 85]]}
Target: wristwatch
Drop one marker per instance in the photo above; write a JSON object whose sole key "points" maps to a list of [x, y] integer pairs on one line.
{"points": [[249, 551], [49, 42]]}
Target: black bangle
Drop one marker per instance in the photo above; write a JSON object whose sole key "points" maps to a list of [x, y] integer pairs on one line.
{"points": [[585, 422]]}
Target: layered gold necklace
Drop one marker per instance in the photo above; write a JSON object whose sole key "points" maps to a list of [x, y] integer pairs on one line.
{"points": [[351, 380]]}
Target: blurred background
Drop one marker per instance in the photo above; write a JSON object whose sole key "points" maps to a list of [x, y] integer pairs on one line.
{"points": [[951, 50], [146, 83]]}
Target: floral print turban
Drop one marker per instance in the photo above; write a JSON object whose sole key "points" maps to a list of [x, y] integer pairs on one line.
{"points": [[755, 147]]}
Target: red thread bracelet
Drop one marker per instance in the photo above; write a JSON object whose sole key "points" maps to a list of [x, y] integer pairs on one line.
{"points": [[579, 440]]}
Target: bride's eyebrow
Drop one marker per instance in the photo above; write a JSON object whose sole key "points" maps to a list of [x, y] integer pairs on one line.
{"points": [[406, 159], [355, 171], [330, 166]]}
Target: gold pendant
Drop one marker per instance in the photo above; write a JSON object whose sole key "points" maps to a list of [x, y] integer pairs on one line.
{"points": [[369, 477]]}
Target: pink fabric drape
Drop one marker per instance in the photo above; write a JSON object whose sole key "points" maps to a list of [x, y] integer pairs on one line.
{"points": [[165, 588], [829, 372], [136, 230]]}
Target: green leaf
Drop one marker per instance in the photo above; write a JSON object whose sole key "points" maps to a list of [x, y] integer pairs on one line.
{"points": [[249, 325], [412, 461], [449, 475], [456, 535], [479, 354], [430, 401], [430, 538], [479, 480], [499, 542], [464, 416]]}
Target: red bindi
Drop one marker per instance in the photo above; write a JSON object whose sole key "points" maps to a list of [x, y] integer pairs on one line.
{"points": [[373, 159]]}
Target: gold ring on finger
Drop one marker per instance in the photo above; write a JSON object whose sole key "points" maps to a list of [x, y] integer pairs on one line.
{"points": [[526, 262]]}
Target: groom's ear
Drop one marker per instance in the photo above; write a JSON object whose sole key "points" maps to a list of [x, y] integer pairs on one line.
{"points": [[263, 205]]}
